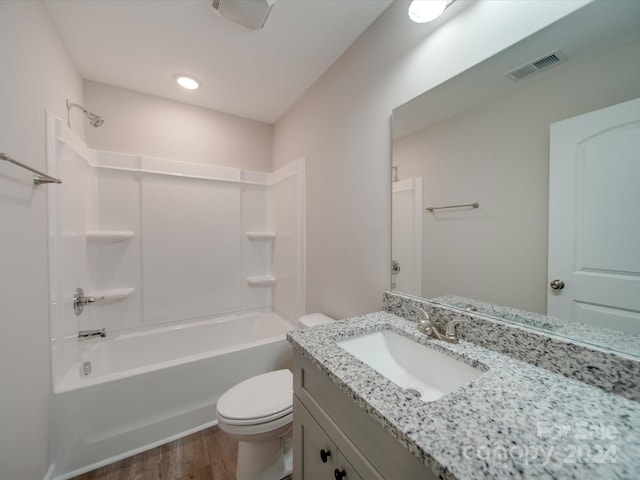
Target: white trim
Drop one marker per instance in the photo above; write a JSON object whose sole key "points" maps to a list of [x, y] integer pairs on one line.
{"points": [[302, 234], [402, 185], [289, 170], [161, 166], [255, 178], [418, 213], [67, 136], [49, 474]]}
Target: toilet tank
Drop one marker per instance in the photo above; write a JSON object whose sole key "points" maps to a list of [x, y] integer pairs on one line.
{"points": [[313, 319]]}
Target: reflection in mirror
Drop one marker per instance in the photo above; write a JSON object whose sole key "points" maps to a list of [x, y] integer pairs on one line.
{"points": [[406, 230], [484, 137]]}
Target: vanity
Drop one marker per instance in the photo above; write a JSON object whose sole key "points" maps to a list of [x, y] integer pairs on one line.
{"points": [[511, 419]]}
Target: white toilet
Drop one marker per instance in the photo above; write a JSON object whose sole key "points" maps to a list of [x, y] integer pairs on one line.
{"points": [[258, 412]]}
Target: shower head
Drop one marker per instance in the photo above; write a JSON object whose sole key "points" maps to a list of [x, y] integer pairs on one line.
{"points": [[94, 120]]}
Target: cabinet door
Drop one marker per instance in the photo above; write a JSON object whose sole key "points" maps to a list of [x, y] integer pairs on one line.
{"points": [[344, 469], [318, 453]]}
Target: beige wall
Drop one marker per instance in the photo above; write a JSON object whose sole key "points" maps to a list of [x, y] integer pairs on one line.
{"points": [[37, 74], [342, 127], [141, 124], [498, 155]]}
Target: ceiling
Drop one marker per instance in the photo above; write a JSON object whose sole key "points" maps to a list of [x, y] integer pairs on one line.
{"points": [[258, 74]]}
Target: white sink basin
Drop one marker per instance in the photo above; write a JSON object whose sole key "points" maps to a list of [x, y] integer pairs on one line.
{"points": [[420, 370]]}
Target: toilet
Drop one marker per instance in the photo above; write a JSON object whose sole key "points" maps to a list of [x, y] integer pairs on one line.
{"points": [[258, 412]]}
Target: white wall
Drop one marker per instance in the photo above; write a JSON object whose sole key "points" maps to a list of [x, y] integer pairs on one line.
{"points": [[140, 124], [498, 155], [342, 127], [37, 74]]}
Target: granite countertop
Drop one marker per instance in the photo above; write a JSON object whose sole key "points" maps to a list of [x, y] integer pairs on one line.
{"points": [[514, 421], [623, 342]]}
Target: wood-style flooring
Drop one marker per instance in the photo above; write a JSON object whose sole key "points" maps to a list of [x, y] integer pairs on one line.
{"points": [[206, 455]]}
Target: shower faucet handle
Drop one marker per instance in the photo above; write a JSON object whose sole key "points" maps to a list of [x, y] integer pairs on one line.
{"points": [[80, 301]]}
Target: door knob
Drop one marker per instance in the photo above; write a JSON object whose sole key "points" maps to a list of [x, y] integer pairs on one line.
{"points": [[339, 474], [557, 284]]}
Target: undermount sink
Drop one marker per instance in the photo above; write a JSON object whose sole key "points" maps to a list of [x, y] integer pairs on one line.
{"points": [[418, 369]]}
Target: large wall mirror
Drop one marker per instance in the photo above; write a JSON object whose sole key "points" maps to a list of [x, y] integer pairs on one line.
{"points": [[489, 144]]}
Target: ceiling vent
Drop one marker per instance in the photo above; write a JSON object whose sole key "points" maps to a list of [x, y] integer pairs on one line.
{"points": [[537, 65], [250, 13]]}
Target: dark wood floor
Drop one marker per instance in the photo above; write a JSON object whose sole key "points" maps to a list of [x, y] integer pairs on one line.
{"points": [[206, 455]]}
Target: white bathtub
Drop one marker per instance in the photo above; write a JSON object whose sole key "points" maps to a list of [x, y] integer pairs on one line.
{"points": [[150, 387]]}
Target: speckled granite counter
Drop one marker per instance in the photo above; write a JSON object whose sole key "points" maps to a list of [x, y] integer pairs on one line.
{"points": [[515, 421], [623, 342], [611, 371]]}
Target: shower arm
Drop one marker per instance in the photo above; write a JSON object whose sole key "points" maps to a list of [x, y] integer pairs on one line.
{"points": [[71, 104]]}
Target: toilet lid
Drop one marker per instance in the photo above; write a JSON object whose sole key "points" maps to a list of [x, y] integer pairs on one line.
{"points": [[262, 398]]}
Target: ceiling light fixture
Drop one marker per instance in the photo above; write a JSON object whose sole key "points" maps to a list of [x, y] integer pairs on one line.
{"points": [[423, 11], [187, 82]]}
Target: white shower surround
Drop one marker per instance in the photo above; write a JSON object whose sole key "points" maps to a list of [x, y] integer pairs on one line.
{"points": [[117, 228]]}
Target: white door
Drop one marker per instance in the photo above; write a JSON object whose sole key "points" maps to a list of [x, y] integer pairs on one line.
{"points": [[594, 218]]}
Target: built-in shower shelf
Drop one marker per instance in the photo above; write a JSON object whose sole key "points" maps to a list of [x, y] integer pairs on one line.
{"points": [[261, 236], [109, 236], [111, 295], [261, 281]]}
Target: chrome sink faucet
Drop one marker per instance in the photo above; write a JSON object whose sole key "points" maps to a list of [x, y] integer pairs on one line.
{"points": [[86, 334], [426, 326]]}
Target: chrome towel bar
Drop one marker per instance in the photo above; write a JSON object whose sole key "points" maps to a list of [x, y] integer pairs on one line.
{"points": [[38, 178], [472, 205]]}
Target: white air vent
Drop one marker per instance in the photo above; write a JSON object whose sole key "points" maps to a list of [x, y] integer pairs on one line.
{"points": [[251, 13], [537, 65]]}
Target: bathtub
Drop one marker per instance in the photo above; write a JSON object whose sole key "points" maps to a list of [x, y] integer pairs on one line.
{"points": [[146, 388]]}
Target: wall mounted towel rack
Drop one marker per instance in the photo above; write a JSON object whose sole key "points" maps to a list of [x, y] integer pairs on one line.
{"points": [[472, 205], [38, 178]]}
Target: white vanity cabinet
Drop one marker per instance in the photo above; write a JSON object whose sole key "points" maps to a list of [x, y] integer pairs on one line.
{"points": [[334, 439]]}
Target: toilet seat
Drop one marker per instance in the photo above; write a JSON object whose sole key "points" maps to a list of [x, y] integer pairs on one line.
{"points": [[256, 420], [273, 429], [261, 399]]}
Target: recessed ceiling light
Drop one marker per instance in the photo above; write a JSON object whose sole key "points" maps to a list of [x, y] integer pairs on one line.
{"points": [[187, 82], [423, 11]]}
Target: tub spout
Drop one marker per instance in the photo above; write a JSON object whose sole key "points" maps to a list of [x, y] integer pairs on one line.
{"points": [[86, 334]]}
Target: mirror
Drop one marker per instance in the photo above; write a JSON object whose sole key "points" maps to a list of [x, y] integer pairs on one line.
{"points": [[483, 138]]}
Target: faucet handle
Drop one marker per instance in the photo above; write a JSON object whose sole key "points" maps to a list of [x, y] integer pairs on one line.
{"points": [[424, 323], [450, 332], [426, 326]]}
